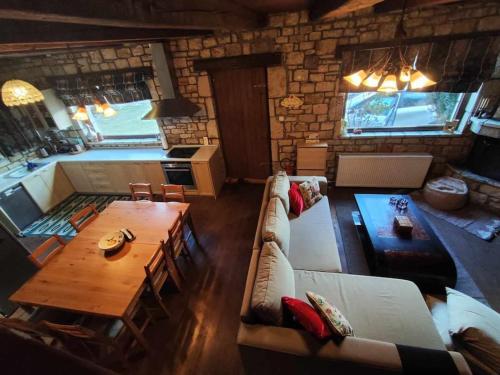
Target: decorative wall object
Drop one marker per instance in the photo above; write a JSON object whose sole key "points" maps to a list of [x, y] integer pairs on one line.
{"points": [[292, 102]]}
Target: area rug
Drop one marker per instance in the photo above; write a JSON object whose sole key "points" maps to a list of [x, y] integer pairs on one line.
{"points": [[356, 259], [56, 221], [479, 222]]}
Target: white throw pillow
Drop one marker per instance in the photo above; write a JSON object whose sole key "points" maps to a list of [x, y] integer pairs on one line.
{"points": [[475, 327], [276, 226], [274, 280], [279, 189]]}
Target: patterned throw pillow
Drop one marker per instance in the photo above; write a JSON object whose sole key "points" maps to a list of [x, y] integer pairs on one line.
{"points": [[310, 192], [339, 325]]}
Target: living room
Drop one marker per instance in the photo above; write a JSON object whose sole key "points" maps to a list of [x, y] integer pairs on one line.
{"points": [[335, 166]]}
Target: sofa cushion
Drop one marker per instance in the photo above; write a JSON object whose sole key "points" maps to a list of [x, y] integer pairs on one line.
{"points": [[276, 226], [279, 189], [313, 245], [310, 192], [337, 322], [476, 327], [378, 308], [274, 280], [296, 199], [307, 317], [439, 312]]}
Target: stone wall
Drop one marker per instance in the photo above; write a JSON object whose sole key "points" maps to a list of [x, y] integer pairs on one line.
{"points": [[311, 72]]}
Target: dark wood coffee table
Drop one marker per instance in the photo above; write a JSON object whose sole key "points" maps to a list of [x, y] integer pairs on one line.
{"points": [[420, 257]]}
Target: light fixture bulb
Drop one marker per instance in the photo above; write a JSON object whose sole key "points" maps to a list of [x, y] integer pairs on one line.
{"points": [[419, 80], [372, 80], [16, 92], [405, 74], [108, 111], [98, 106], [356, 78], [81, 114], [389, 84]]}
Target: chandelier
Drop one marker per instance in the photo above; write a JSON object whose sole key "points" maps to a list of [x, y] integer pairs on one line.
{"points": [[16, 92], [392, 72]]}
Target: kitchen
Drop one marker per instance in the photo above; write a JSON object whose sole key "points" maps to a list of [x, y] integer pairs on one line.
{"points": [[51, 158]]}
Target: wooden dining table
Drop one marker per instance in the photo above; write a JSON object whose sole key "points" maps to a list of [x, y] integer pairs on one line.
{"points": [[83, 279]]}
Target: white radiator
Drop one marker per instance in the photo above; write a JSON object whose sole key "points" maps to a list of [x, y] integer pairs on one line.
{"points": [[383, 170]]}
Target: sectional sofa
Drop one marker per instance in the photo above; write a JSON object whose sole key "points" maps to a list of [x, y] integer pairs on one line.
{"points": [[385, 313]]}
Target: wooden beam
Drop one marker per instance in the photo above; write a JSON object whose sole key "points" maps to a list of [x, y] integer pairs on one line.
{"points": [[410, 41], [151, 14], [237, 62], [390, 5], [325, 9], [13, 32]]}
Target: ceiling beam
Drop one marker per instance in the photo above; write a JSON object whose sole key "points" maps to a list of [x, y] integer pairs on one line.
{"points": [[14, 32], [150, 14], [326, 9], [390, 5]]}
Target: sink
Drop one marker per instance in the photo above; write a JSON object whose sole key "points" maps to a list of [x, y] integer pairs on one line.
{"points": [[23, 171]]}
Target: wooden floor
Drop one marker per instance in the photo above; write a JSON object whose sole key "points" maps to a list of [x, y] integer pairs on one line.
{"points": [[200, 337]]}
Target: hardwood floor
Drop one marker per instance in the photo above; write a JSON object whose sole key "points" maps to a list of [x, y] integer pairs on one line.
{"points": [[200, 337]]}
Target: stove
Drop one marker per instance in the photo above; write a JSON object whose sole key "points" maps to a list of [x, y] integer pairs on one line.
{"points": [[182, 152]]}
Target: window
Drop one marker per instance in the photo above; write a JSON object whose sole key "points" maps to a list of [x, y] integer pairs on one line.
{"points": [[126, 126], [401, 111]]}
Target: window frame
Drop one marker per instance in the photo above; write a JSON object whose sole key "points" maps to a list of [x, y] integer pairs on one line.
{"points": [[458, 113]]}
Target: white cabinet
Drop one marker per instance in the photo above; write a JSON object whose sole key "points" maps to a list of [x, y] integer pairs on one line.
{"points": [[78, 177], [311, 159], [49, 186], [39, 191]]}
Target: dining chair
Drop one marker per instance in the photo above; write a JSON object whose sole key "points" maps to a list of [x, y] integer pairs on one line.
{"points": [[157, 274], [83, 218], [47, 250], [141, 191], [177, 244], [172, 193]]}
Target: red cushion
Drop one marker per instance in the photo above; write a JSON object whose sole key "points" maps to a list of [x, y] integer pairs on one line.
{"points": [[296, 199], [307, 317]]}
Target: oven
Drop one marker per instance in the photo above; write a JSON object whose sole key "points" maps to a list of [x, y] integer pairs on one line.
{"points": [[179, 173]]}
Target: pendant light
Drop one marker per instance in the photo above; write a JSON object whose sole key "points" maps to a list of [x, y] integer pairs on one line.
{"points": [[80, 114], [16, 92], [419, 80], [98, 106], [356, 78], [108, 111], [393, 67], [389, 84]]}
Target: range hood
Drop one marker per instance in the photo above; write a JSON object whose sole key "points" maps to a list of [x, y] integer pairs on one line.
{"points": [[173, 105]]}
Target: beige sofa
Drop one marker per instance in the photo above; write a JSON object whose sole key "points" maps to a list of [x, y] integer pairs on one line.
{"points": [[382, 311]]}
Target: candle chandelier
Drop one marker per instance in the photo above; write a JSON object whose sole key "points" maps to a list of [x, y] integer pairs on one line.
{"points": [[392, 72]]}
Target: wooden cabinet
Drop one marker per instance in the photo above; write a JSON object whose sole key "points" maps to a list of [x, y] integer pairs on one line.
{"points": [[210, 175], [48, 187], [311, 159]]}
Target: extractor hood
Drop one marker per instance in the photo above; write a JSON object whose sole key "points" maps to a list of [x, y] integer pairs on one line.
{"points": [[173, 105]]}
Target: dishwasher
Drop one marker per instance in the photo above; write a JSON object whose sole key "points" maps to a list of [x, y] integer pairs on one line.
{"points": [[17, 209]]}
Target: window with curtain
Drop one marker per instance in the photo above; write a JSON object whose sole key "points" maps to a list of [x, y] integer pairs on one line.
{"points": [[458, 66]]}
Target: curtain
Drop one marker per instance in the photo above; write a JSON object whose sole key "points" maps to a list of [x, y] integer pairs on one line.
{"points": [[456, 65], [119, 86]]}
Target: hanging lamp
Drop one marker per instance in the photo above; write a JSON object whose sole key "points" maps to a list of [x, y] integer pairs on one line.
{"points": [[16, 92], [392, 71], [80, 114], [108, 111]]}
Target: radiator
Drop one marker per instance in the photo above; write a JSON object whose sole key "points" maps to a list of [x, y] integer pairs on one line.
{"points": [[383, 170]]}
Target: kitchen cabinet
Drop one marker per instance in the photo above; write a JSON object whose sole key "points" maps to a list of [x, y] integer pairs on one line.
{"points": [[48, 187], [113, 177], [209, 175]]}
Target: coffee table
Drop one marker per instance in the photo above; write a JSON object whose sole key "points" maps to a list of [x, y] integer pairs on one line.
{"points": [[420, 257]]}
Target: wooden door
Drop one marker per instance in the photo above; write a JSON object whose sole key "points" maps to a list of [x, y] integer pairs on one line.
{"points": [[243, 118]]}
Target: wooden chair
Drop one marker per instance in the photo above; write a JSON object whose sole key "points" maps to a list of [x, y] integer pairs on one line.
{"points": [[176, 242], [173, 193], [83, 218], [157, 274], [46, 251], [141, 191]]}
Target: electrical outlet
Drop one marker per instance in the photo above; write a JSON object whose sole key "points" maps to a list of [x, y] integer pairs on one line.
{"points": [[205, 141], [281, 118]]}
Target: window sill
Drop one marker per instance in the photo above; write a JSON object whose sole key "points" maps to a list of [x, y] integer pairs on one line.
{"points": [[125, 143], [409, 134]]}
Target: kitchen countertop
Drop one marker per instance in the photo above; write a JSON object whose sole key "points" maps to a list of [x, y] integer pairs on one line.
{"points": [[115, 155]]}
